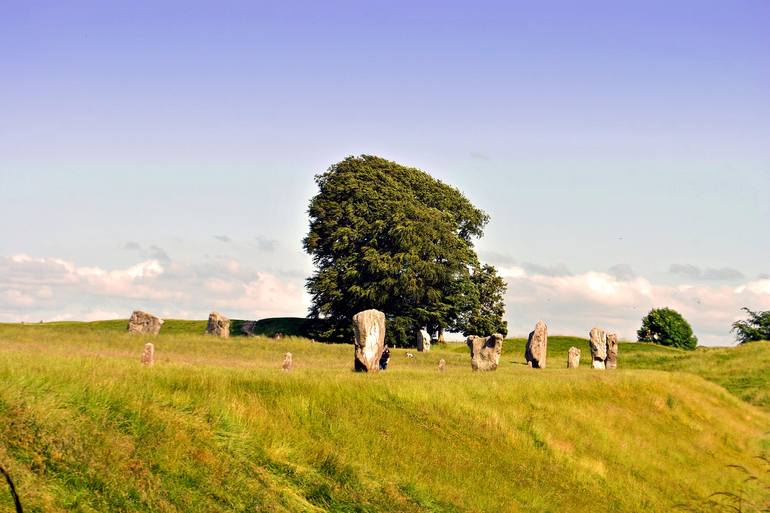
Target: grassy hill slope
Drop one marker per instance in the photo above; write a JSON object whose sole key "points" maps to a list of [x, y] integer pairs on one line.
{"points": [[743, 370], [215, 426]]}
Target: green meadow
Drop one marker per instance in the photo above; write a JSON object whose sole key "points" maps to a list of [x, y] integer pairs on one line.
{"points": [[216, 426]]}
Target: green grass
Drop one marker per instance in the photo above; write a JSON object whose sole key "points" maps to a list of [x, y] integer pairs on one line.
{"points": [[289, 326], [216, 426], [743, 370]]}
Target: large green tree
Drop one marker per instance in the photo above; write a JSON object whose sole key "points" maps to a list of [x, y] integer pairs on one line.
{"points": [[393, 238]]}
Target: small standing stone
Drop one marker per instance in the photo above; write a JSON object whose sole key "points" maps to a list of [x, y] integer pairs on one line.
{"points": [[218, 325], [537, 346], [142, 322], [369, 330], [485, 352], [573, 359], [423, 341], [441, 365], [598, 345], [288, 362], [612, 352], [148, 355]]}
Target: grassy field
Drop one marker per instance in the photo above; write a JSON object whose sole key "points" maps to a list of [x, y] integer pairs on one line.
{"points": [[216, 426]]}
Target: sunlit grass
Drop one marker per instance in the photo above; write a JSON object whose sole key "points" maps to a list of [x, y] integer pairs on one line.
{"points": [[217, 426]]}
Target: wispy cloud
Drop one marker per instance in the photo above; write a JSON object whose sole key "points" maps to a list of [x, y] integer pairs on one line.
{"points": [[622, 272], [158, 253], [222, 238], [708, 274], [475, 155], [265, 244]]}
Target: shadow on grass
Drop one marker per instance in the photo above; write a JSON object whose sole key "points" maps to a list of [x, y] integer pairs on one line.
{"points": [[14, 495]]}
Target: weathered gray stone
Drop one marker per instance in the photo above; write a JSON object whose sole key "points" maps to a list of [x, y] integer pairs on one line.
{"points": [[598, 345], [148, 355], [423, 341], [441, 365], [218, 325], [441, 339], [485, 352], [142, 322], [573, 358], [537, 346], [611, 362], [288, 362], [369, 330]]}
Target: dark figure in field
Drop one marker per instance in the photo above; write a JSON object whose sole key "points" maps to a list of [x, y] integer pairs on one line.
{"points": [[385, 358]]}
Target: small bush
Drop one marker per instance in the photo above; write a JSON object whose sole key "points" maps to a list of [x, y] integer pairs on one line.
{"points": [[667, 327]]}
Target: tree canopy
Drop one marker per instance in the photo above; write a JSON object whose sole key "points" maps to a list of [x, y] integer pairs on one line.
{"points": [[755, 328], [667, 327], [393, 238]]}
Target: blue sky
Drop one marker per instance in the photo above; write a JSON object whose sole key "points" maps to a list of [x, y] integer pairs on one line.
{"points": [[161, 154]]}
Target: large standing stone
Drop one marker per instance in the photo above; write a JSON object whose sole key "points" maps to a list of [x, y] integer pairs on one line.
{"points": [[369, 330], [288, 362], [142, 322], [485, 352], [611, 362], [573, 358], [148, 355], [423, 341], [218, 325], [537, 346], [598, 345]]}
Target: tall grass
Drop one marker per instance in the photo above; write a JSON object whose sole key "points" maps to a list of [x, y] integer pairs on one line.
{"points": [[216, 426]]}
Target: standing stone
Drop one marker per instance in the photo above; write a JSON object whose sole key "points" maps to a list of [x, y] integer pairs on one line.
{"points": [[611, 362], [142, 322], [598, 345], [148, 355], [441, 339], [288, 362], [573, 359], [423, 341], [441, 365], [485, 352], [218, 325], [369, 330], [537, 346]]}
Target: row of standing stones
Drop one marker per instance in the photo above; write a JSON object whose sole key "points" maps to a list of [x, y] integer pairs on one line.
{"points": [[143, 322], [603, 346], [369, 332]]}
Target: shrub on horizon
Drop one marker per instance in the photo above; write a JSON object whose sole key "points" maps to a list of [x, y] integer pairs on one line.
{"points": [[753, 329], [667, 327]]}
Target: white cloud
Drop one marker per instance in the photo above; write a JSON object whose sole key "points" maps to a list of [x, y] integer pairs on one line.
{"points": [[32, 288], [574, 304], [17, 297], [268, 296]]}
